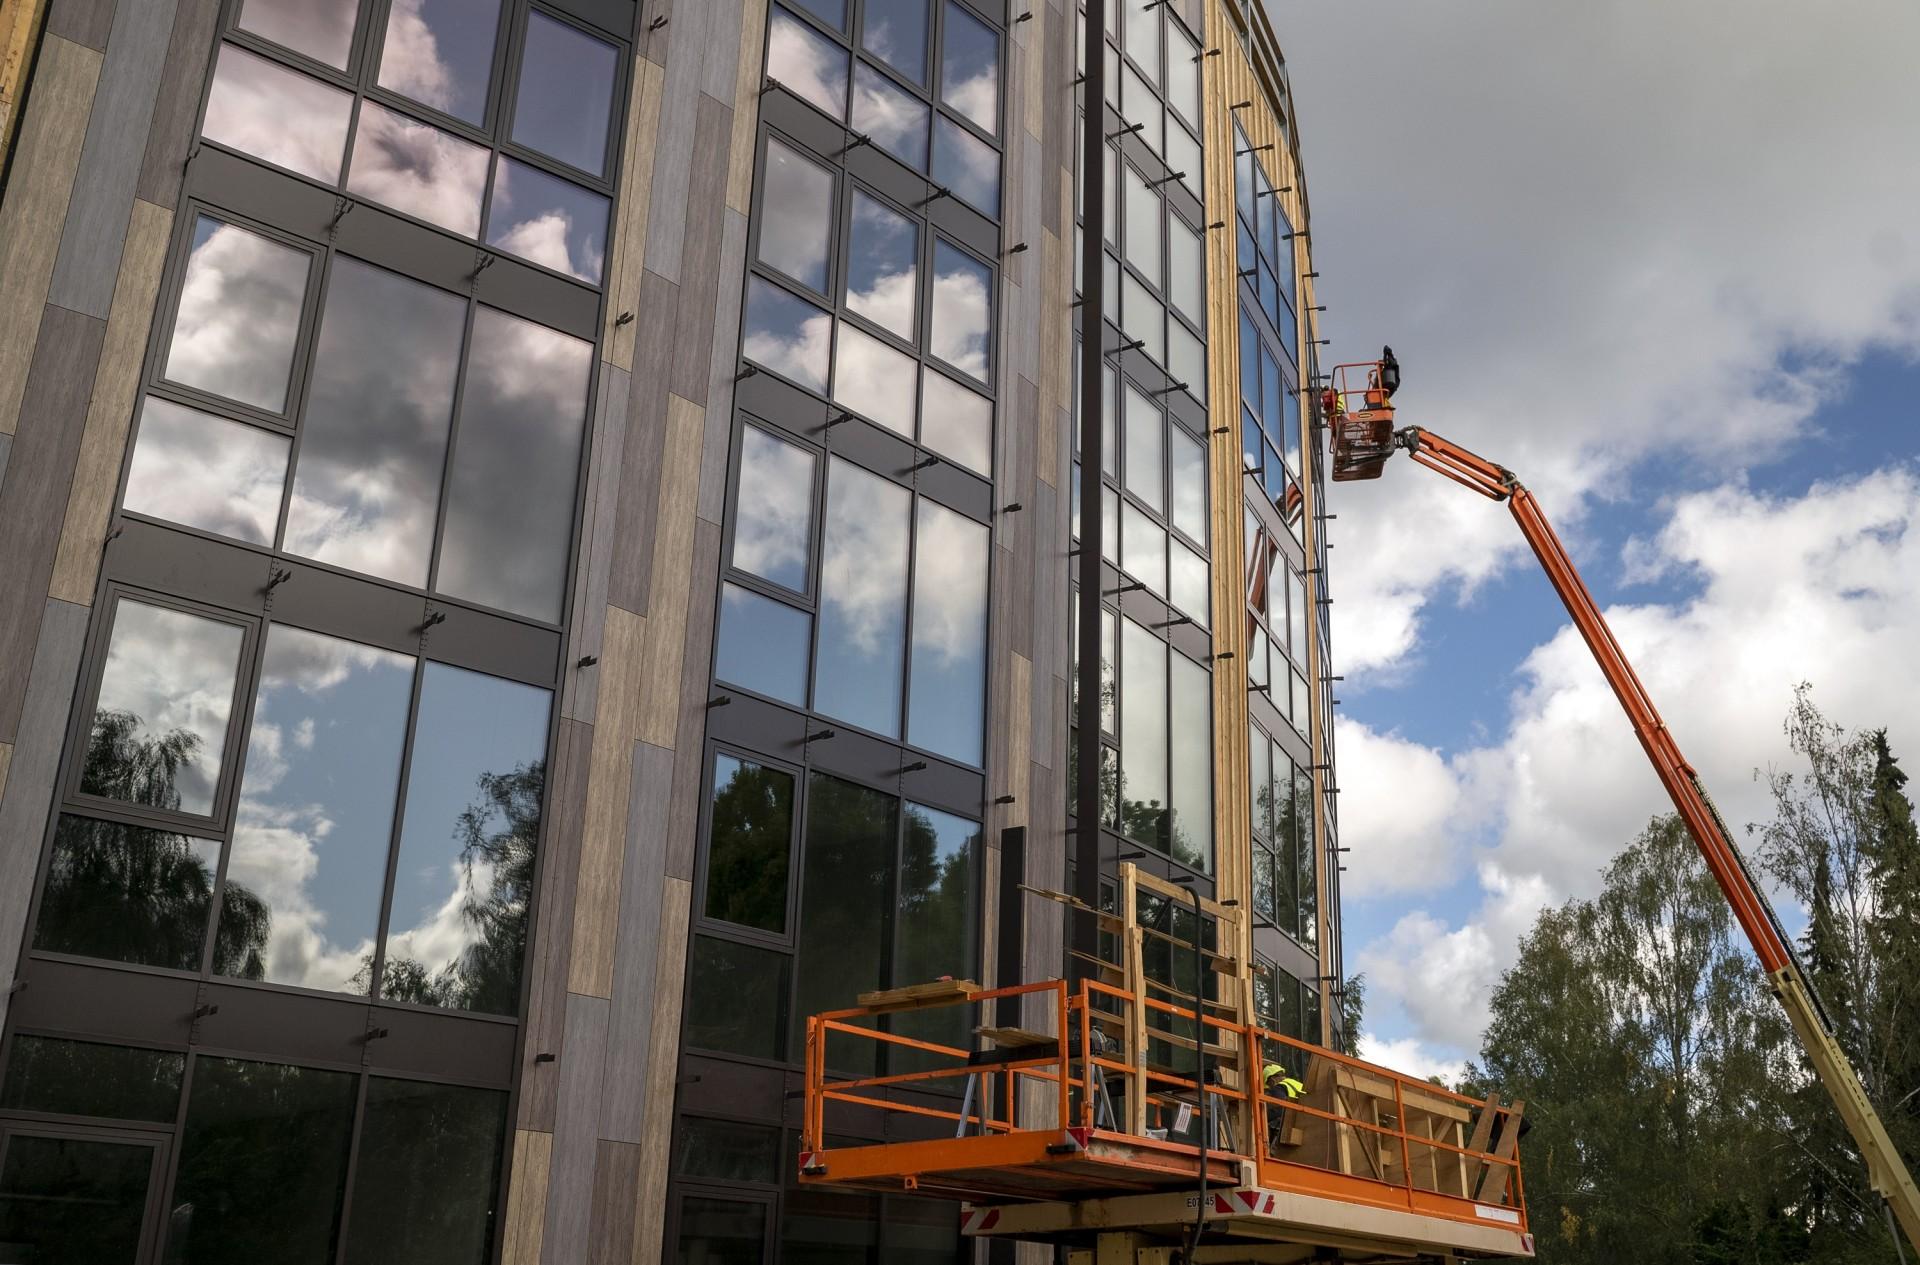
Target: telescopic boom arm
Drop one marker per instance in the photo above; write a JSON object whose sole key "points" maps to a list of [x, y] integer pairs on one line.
{"points": [[1885, 1170]]}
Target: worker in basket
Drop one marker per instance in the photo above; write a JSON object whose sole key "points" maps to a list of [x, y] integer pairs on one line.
{"points": [[1274, 1078]]}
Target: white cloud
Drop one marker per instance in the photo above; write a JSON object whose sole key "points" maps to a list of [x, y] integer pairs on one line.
{"points": [[1408, 810], [1413, 1058]]}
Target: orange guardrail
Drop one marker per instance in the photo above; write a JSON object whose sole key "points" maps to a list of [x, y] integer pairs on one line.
{"points": [[1358, 1131]]}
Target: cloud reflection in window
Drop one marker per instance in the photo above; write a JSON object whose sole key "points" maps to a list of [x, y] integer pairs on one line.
{"points": [[322, 29], [894, 118], [957, 423], [418, 169], [786, 334], [863, 599], [796, 215], [970, 68], [807, 64], [773, 515], [883, 266], [967, 165], [239, 315], [280, 116], [874, 379], [962, 319], [440, 53], [548, 220], [947, 692], [207, 472]]}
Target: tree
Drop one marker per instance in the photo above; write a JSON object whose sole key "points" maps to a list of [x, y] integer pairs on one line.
{"points": [[1353, 1008]]}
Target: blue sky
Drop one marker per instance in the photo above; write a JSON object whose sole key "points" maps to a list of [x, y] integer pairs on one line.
{"points": [[1632, 270]]}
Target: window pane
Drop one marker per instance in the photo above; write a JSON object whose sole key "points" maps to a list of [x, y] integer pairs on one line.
{"points": [[962, 320], [863, 599], [81, 1078], [845, 887], [418, 169], [967, 165], [796, 215], [239, 315], [721, 1231], [1139, 104], [159, 730], [1143, 318], [1309, 882], [127, 894], [1183, 159], [516, 462], [1192, 742], [1189, 484], [832, 12], [727, 1150], [1110, 525], [736, 999], [1143, 735], [1140, 34], [762, 645], [773, 511], [1187, 583], [309, 858], [1143, 222], [440, 53], [1109, 669], [74, 1200], [1143, 549], [896, 120], [1183, 75], [1186, 270], [957, 423], [427, 1172], [1186, 359], [566, 93], [1297, 614], [263, 1163], [807, 64], [970, 68], [280, 116], [946, 710], [1302, 708], [895, 31], [547, 220], [748, 844], [937, 863], [366, 487], [207, 472], [873, 379], [322, 29], [465, 872], [1260, 781], [883, 266], [786, 334], [1146, 455]]}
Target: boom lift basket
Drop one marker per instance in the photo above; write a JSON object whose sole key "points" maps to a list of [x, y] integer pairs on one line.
{"points": [[1358, 407]]}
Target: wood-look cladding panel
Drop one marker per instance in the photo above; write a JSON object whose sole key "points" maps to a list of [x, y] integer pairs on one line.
{"points": [[603, 829], [116, 382], [177, 104], [35, 209], [82, 21], [527, 1197]]}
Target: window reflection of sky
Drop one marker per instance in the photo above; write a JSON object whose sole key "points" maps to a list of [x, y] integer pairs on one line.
{"points": [[787, 334], [962, 319], [967, 165], [863, 592], [946, 694], [548, 220], [883, 266], [957, 423], [289, 119], [565, 100], [895, 31], [239, 315], [796, 215], [440, 53], [873, 379], [893, 117], [322, 29], [773, 517], [762, 645], [421, 170], [970, 68], [316, 807], [807, 64], [207, 472]]}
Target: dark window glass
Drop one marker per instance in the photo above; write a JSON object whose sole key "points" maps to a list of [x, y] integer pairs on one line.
{"points": [[807, 64], [960, 329], [716, 1231], [970, 68], [863, 599], [947, 690], [773, 513], [749, 843], [796, 215], [874, 379], [1143, 735], [566, 93], [1191, 739], [159, 731], [207, 472], [924, 1232], [827, 1227], [510, 499], [82, 1078], [472, 821], [239, 314], [366, 487], [309, 856], [967, 165], [845, 881], [73, 1201], [736, 999], [422, 170], [440, 53], [263, 1163], [281, 116], [786, 334], [894, 118], [956, 422], [1260, 781], [548, 220], [727, 1150], [832, 12], [426, 1174], [883, 266], [762, 645], [937, 858], [895, 31], [322, 29], [129, 895], [1303, 843]]}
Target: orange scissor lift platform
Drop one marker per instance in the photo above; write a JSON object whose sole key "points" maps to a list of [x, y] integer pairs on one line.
{"points": [[1092, 1122]]}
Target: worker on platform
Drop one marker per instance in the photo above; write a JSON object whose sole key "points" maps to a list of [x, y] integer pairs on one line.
{"points": [[1274, 1078]]}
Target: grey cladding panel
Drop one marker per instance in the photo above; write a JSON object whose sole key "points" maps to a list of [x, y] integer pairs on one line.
{"points": [[33, 495], [630, 1027], [596, 542], [575, 1132], [700, 268], [96, 230], [82, 21], [631, 576], [690, 735], [171, 133], [673, 150], [552, 936]]}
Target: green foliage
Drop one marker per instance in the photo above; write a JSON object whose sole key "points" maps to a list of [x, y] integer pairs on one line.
{"points": [[1674, 1117]]}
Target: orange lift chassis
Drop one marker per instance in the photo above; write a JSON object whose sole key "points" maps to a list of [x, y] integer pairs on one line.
{"points": [[1358, 406]]}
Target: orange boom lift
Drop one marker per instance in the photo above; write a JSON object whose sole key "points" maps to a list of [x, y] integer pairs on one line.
{"points": [[1358, 406]]}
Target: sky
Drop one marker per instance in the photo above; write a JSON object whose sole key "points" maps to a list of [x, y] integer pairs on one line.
{"points": [[1661, 258]]}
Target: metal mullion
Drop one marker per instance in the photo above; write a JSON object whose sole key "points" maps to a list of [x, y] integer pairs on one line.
{"points": [[253, 663], [290, 58], [342, 1217], [378, 970], [758, 217], [605, 186], [454, 427], [179, 1144], [730, 516]]}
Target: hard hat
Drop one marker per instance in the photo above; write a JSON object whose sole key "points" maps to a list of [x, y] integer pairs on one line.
{"points": [[1272, 1070]]}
